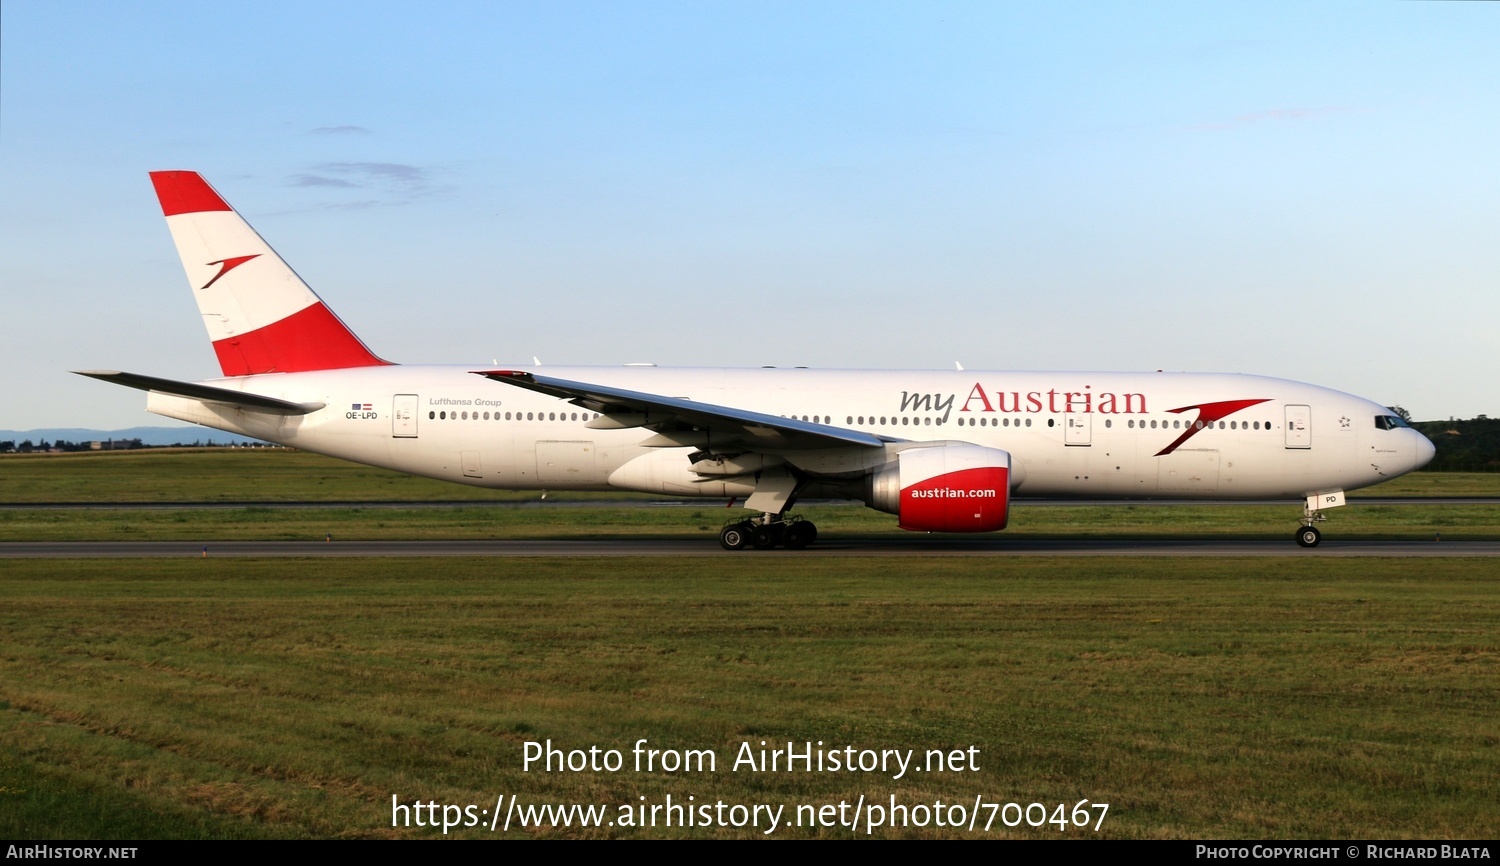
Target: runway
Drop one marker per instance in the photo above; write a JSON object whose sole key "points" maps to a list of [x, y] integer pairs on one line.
{"points": [[708, 547]]}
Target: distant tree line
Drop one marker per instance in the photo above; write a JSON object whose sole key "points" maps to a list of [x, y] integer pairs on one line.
{"points": [[1471, 445], [26, 446]]}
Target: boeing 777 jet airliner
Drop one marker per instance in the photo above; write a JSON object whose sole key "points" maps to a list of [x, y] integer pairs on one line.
{"points": [[944, 451]]}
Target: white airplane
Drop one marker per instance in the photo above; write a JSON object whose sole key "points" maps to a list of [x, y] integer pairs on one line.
{"points": [[944, 451]]}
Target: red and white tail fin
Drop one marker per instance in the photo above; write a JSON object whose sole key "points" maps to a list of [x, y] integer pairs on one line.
{"points": [[260, 316]]}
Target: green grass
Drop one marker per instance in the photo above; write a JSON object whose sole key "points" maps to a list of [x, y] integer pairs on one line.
{"points": [[280, 475], [1437, 484], [244, 698], [225, 474], [1211, 699]]}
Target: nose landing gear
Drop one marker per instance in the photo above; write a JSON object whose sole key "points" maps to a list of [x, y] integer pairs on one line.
{"points": [[1312, 512]]}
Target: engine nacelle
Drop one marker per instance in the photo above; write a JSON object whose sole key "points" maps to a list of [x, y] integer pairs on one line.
{"points": [[945, 488]]}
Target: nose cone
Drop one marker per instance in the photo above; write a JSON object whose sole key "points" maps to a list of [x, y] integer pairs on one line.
{"points": [[1424, 450]]}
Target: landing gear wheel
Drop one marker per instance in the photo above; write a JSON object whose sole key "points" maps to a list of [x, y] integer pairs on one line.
{"points": [[764, 537], [800, 535], [734, 537], [1309, 536]]}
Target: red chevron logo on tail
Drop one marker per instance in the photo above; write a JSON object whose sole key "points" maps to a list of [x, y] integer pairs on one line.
{"points": [[228, 265]]}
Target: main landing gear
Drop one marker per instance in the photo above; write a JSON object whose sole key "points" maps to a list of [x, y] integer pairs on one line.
{"points": [[767, 532]]}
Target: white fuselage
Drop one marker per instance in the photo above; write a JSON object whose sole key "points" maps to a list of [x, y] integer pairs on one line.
{"points": [[1092, 435]]}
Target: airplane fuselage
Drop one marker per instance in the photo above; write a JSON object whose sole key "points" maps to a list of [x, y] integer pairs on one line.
{"points": [[1091, 435]]}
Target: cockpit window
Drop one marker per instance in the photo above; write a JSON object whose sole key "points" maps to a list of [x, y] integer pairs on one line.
{"points": [[1389, 422]]}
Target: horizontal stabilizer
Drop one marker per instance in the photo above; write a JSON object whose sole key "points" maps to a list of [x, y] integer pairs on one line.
{"points": [[205, 393]]}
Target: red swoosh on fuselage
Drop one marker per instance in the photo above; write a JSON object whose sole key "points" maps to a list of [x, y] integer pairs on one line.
{"points": [[1208, 413]]}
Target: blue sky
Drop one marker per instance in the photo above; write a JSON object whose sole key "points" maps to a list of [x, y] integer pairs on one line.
{"points": [[1298, 190]]}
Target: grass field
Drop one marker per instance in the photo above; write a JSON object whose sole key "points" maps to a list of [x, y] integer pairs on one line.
{"points": [[225, 474], [272, 476], [1223, 699], [1308, 698]]}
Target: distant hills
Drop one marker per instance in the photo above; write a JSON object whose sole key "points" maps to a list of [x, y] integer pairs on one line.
{"points": [[149, 436]]}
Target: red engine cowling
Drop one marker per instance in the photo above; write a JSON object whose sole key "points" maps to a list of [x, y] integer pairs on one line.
{"points": [[945, 488]]}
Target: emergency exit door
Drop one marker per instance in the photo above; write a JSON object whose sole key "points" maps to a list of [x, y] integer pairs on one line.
{"points": [[1298, 426], [1078, 428], [404, 417]]}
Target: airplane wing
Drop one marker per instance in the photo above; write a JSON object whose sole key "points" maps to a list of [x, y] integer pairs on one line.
{"points": [[679, 421], [204, 393]]}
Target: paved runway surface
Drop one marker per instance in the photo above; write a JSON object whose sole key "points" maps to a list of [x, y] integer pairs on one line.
{"points": [[708, 546]]}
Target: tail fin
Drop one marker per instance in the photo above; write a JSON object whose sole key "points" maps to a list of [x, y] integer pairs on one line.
{"points": [[260, 316]]}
